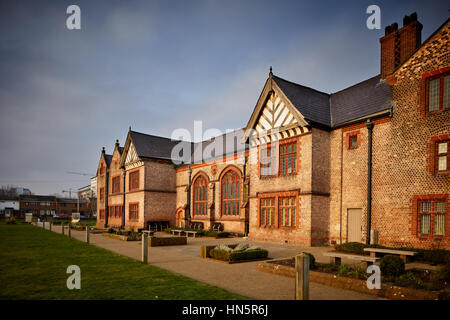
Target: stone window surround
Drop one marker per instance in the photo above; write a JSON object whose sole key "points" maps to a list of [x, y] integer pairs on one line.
{"points": [[277, 156], [415, 212], [277, 195]]}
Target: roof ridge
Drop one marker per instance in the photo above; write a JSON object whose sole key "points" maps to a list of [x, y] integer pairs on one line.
{"points": [[152, 135], [354, 85], [300, 85]]}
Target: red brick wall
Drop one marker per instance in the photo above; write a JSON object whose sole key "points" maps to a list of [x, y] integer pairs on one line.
{"points": [[404, 172]]}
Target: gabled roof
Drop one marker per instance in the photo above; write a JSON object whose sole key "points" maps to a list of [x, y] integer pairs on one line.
{"points": [[108, 159], [312, 104], [330, 110], [149, 146]]}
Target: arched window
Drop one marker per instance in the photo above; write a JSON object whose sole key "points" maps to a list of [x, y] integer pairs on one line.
{"points": [[200, 196], [230, 193]]}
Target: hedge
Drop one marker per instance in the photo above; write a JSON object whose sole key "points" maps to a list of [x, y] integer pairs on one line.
{"points": [[238, 255]]}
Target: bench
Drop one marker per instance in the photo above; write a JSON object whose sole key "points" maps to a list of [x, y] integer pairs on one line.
{"points": [[374, 252], [336, 258], [177, 231], [157, 225], [194, 233], [217, 227], [196, 225], [150, 233]]}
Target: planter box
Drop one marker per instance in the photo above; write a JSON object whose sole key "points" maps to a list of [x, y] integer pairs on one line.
{"points": [[205, 250], [341, 282], [118, 237], [166, 241]]}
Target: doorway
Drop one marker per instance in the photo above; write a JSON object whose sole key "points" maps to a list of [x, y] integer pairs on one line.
{"points": [[354, 225]]}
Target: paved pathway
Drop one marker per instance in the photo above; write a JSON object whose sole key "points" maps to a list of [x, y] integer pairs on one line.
{"points": [[241, 278]]}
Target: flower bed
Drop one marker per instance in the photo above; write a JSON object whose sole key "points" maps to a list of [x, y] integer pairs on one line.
{"points": [[414, 284], [234, 253]]}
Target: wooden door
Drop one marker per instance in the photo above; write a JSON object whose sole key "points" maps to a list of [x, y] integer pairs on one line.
{"points": [[354, 225]]}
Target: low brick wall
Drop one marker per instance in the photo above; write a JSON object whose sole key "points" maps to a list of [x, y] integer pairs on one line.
{"points": [[166, 241], [340, 282]]}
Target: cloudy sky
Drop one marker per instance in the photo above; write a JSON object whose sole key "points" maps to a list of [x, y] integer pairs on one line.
{"points": [[160, 65]]}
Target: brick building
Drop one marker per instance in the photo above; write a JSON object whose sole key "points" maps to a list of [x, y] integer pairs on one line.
{"points": [[51, 205], [370, 162]]}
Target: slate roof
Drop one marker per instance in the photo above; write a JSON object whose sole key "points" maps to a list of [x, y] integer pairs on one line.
{"points": [[108, 159], [225, 144], [312, 104], [364, 98], [149, 146]]}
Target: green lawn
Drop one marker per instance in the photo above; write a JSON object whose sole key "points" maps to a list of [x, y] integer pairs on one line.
{"points": [[33, 265]]}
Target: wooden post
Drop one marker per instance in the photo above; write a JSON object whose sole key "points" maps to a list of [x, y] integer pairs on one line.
{"points": [[87, 234], [69, 231], [302, 277], [145, 247], [62, 228], [50, 226]]}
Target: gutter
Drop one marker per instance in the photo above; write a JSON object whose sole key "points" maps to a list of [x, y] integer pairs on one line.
{"points": [[369, 126], [383, 113], [123, 207]]}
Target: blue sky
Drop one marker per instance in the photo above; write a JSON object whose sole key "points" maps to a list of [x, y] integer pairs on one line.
{"points": [[160, 65]]}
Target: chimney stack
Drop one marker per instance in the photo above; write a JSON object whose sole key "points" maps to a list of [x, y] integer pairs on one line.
{"points": [[397, 45]]}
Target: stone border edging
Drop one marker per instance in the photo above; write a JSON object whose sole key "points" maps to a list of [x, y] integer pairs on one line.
{"points": [[237, 261], [386, 291], [117, 236]]}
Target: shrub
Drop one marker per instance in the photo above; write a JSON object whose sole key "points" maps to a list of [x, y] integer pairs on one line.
{"points": [[344, 269], [351, 247], [223, 235], [391, 265], [220, 254], [436, 256], [209, 233], [358, 273], [248, 255], [443, 273]]}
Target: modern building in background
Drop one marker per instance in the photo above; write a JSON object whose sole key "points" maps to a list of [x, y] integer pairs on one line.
{"points": [[41, 206], [9, 205]]}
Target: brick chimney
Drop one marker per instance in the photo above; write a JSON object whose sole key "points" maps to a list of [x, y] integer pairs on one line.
{"points": [[398, 44]]}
